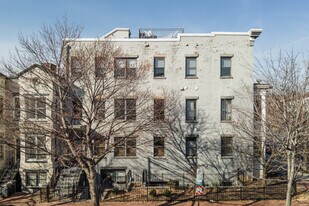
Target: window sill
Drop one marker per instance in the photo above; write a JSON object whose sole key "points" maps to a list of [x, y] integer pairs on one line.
{"points": [[160, 157], [159, 77], [227, 157], [191, 121], [125, 157], [36, 161], [226, 77], [226, 121], [191, 77], [35, 187]]}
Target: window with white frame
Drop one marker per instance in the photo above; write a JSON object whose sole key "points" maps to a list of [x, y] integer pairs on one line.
{"points": [[226, 146], [159, 66], [99, 67], [191, 110], [125, 67], [191, 146], [125, 146], [36, 178], [159, 107], [190, 66], [76, 67], [226, 109], [36, 107], [35, 147], [125, 109], [158, 146], [226, 65], [16, 107]]}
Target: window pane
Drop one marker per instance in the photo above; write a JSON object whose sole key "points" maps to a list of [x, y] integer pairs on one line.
{"points": [[159, 107], [76, 68], [131, 147], [100, 106], [41, 108], [226, 110], [159, 65], [120, 68], [190, 109], [131, 109], [158, 146], [191, 66], [119, 110], [159, 62], [120, 176], [226, 61], [31, 179], [191, 146], [226, 146], [99, 67], [30, 107], [42, 179], [16, 107], [119, 146], [225, 66]]}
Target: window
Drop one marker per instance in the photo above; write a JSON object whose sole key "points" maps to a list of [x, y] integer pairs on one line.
{"points": [[226, 110], [99, 67], [125, 67], [191, 67], [1, 106], [125, 109], [158, 146], [226, 146], [100, 147], [125, 146], [226, 66], [16, 107], [76, 67], [36, 107], [1, 150], [190, 110], [159, 64], [35, 146], [159, 107], [191, 146], [100, 106], [36, 178]]}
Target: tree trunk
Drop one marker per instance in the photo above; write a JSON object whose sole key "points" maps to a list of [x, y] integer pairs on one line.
{"points": [[93, 187], [291, 170]]}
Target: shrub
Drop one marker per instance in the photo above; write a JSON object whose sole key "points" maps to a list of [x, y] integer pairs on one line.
{"points": [[115, 190], [167, 193], [153, 193], [173, 183]]}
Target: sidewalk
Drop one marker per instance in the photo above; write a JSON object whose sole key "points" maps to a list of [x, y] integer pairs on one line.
{"points": [[21, 199]]}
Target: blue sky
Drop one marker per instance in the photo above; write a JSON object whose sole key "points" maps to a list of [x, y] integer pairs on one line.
{"points": [[284, 23]]}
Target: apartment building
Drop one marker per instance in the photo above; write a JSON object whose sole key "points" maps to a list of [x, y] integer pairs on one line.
{"points": [[212, 73]]}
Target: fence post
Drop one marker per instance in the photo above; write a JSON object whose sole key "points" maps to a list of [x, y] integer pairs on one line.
{"points": [[68, 189], [217, 194], [264, 192], [47, 193], [73, 193], [147, 192], [41, 195], [183, 180], [241, 192]]}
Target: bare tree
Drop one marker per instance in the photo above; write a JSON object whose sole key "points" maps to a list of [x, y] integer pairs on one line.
{"points": [[90, 98], [280, 132]]}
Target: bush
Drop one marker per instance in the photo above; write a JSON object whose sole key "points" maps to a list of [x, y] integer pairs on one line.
{"points": [[167, 193], [153, 193], [173, 183], [115, 190]]}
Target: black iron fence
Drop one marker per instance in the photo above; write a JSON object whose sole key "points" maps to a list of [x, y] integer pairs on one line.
{"points": [[220, 193]]}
